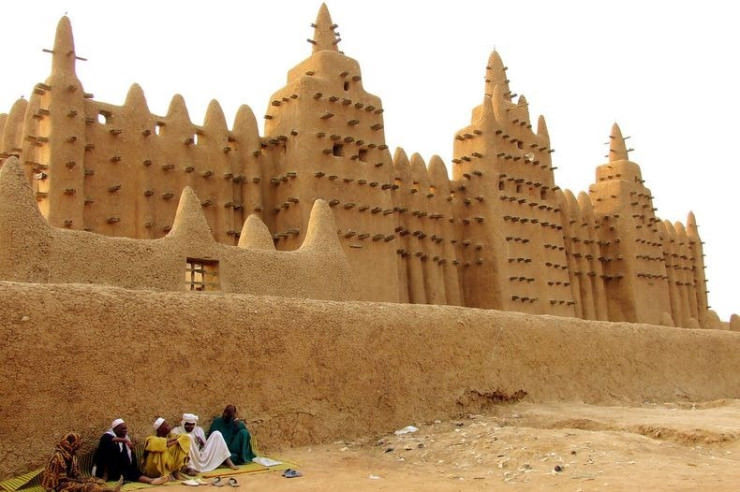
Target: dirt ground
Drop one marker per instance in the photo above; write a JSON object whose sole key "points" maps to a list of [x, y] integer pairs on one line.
{"points": [[523, 446]]}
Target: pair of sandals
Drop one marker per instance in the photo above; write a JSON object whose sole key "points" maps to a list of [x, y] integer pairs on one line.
{"points": [[219, 482], [291, 473]]}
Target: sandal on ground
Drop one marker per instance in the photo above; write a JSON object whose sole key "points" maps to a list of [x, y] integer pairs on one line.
{"points": [[216, 482], [232, 482], [291, 473]]}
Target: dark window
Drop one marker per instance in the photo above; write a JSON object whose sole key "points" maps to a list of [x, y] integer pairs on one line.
{"points": [[337, 150]]}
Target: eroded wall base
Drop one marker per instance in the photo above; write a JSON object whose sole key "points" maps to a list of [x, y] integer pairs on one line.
{"points": [[74, 357]]}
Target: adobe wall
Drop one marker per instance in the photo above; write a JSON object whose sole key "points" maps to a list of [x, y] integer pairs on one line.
{"points": [[77, 356]]}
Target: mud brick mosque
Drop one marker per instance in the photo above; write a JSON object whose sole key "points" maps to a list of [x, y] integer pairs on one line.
{"points": [[317, 206]]}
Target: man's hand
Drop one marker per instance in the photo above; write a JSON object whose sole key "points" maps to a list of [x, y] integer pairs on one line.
{"points": [[200, 442]]}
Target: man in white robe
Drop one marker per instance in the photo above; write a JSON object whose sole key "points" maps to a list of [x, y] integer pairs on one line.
{"points": [[205, 454]]}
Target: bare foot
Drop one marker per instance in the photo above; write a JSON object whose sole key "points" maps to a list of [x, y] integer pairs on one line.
{"points": [[231, 464], [161, 480], [119, 484], [179, 476]]}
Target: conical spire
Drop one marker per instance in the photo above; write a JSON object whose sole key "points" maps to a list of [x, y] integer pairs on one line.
{"points": [[178, 109], [691, 228], [496, 76], [486, 119], [401, 165], [419, 170], [499, 105], [438, 173], [190, 224], [617, 148], [63, 58], [215, 118], [12, 134], [324, 37], [26, 236], [542, 130], [523, 108], [136, 100], [256, 235], [321, 231]]}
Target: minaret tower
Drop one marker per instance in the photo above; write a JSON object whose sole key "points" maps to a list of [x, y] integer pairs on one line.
{"points": [[512, 233], [324, 134], [54, 131], [636, 286]]}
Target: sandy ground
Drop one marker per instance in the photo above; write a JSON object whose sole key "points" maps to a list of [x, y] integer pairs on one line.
{"points": [[558, 446]]}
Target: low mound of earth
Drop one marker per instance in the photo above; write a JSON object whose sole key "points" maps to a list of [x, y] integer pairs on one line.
{"points": [[524, 446]]}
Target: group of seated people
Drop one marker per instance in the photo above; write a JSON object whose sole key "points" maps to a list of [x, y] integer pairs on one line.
{"points": [[169, 454]]}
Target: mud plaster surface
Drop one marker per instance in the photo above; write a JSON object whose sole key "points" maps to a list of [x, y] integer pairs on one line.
{"points": [[305, 372]]}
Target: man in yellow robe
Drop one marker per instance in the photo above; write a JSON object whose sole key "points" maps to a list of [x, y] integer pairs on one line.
{"points": [[166, 455]]}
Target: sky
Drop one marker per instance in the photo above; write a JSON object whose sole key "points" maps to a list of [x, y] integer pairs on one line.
{"points": [[665, 71]]}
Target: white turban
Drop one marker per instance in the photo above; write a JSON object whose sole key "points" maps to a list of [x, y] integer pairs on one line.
{"points": [[158, 423], [189, 418], [116, 423]]}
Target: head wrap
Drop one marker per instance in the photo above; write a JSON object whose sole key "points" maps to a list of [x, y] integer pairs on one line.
{"points": [[116, 423], [70, 443], [158, 423], [189, 418]]}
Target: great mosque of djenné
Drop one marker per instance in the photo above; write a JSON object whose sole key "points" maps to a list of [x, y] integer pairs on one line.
{"points": [[317, 206]]}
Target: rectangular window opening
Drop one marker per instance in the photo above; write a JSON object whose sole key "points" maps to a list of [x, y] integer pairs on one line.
{"points": [[201, 274], [338, 150], [363, 155]]}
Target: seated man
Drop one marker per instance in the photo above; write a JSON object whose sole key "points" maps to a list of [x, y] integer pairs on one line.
{"points": [[115, 459], [166, 455], [235, 434], [62, 472], [205, 454]]}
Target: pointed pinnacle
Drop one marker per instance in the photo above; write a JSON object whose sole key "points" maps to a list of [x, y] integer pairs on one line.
{"points": [[63, 57], [324, 37], [617, 147]]}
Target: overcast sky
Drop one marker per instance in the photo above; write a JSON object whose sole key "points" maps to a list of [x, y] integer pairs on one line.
{"points": [[665, 71]]}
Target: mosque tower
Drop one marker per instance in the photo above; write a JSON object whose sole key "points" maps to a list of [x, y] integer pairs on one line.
{"points": [[325, 137], [509, 206], [653, 270], [53, 147]]}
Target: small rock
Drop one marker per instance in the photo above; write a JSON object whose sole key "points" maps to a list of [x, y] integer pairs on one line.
{"points": [[558, 468], [389, 450], [25, 318]]}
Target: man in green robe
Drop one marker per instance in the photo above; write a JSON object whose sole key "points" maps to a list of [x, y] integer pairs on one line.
{"points": [[235, 434]]}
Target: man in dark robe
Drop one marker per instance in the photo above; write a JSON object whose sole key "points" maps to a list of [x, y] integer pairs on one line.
{"points": [[235, 434], [115, 457]]}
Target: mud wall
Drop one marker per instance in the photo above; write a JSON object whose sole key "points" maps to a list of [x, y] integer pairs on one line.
{"points": [[300, 371]]}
